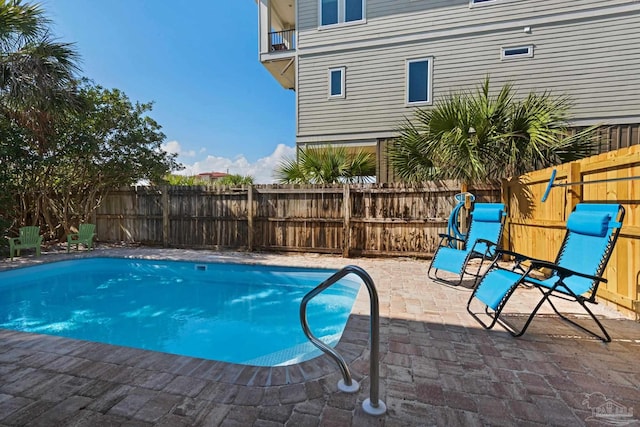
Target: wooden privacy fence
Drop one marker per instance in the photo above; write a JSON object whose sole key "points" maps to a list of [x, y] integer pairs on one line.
{"points": [[536, 229], [372, 220]]}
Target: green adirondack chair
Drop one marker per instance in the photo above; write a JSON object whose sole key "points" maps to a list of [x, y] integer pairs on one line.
{"points": [[85, 235], [29, 238]]}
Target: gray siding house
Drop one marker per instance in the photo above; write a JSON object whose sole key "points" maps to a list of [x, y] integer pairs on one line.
{"points": [[360, 67]]}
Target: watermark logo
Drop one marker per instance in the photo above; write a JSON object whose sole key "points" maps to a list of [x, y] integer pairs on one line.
{"points": [[607, 411]]}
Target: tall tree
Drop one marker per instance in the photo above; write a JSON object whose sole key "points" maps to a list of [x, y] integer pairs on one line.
{"points": [[36, 85], [64, 142], [478, 137], [109, 142]]}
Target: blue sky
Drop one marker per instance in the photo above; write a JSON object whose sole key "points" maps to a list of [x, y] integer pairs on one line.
{"points": [[198, 62]]}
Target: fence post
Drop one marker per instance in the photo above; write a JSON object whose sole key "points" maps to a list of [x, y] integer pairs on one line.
{"points": [[165, 215], [346, 204], [505, 198], [575, 191], [464, 226], [250, 214]]}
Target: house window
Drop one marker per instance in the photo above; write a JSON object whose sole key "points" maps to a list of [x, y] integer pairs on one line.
{"points": [[516, 52], [480, 2], [340, 11], [419, 73], [353, 10], [336, 82]]}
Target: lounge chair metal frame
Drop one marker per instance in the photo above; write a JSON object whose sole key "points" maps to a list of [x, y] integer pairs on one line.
{"points": [[479, 248], [555, 286]]}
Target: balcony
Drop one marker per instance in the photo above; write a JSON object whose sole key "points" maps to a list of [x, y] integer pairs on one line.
{"points": [[282, 40], [277, 33]]}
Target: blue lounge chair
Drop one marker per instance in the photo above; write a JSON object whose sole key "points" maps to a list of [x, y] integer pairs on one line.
{"points": [[485, 232], [592, 232]]}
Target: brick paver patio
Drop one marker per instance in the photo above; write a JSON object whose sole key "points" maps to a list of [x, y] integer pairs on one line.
{"points": [[438, 367]]}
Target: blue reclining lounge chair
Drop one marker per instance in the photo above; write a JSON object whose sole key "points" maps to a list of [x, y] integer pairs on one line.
{"points": [[485, 232], [592, 232]]}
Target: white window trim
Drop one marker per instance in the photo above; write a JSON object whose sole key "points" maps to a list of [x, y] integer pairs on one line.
{"points": [[473, 4], [505, 57], [341, 12], [343, 74], [429, 100]]}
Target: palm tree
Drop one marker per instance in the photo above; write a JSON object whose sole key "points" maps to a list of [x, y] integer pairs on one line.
{"points": [[37, 85], [478, 137], [37, 74], [327, 165]]}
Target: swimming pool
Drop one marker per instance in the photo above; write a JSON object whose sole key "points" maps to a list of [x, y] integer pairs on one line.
{"points": [[247, 314]]}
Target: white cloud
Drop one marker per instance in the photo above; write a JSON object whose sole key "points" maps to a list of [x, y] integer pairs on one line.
{"points": [[262, 170], [174, 147]]}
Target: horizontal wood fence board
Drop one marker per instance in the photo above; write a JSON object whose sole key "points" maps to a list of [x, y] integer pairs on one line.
{"points": [[437, 221], [208, 217], [129, 216], [299, 191], [537, 223], [303, 220]]}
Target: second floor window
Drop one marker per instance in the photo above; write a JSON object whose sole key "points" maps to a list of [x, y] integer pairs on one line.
{"points": [[340, 11], [419, 80], [336, 82]]}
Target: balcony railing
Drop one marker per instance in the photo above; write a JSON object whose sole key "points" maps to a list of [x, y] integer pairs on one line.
{"points": [[282, 40]]}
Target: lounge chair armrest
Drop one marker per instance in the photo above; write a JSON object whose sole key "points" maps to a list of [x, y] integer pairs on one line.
{"points": [[13, 240], [72, 236], [517, 256], [487, 251], [486, 242], [489, 243], [564, 272], [518, 259], [449, 237]]}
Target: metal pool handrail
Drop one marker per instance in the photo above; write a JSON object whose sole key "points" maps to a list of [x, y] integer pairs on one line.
{"points": [[373, 405]]}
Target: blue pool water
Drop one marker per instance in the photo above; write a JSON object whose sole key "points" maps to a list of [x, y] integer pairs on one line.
{"points": [[236, 313]]}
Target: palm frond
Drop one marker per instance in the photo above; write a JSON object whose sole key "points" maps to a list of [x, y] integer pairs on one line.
{"points": [[327, 165], [410, 155], [20, 24], [39, 75], [289, 172]]}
